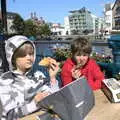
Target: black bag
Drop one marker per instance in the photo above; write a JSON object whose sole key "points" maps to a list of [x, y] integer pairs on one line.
{"points": [[72, 102]]}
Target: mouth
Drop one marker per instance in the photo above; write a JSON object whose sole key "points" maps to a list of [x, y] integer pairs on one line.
{"points": [[29, 63]]}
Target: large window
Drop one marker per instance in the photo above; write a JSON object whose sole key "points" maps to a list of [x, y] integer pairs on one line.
{"points": [[117, 11]]}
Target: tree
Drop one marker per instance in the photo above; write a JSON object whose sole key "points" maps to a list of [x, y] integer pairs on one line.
{"points": [[30, 28], [18, 24], [44, 30]]}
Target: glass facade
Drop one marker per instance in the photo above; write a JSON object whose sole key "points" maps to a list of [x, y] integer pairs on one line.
{"points": [[80, 20]]}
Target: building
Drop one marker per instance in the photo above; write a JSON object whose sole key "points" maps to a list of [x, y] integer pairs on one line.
{"points": [[80, 21], [108, 18], [66, 25], [95, 20], [10, 18], [101, 25], [116, 15], [57, 29], [36, 20]]}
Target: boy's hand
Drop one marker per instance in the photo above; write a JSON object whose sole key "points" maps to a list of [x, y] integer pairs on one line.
{"points": [[40, 96], [53, 68], [76, 73]]}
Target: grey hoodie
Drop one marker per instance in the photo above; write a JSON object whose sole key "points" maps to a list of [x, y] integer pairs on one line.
{"points": [[16, 90]]}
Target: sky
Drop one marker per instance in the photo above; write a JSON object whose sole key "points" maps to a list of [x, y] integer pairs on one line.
{"points": [[54, 10]]}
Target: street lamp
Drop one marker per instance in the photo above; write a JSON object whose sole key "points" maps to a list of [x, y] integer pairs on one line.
{"points": [[4, 16], [3, 61]]}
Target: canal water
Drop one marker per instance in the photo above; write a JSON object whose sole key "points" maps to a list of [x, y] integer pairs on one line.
{"points": [[47, 48]]}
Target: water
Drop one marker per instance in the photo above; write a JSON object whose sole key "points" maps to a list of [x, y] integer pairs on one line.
{"points": [[104, 50], [47, 49]]}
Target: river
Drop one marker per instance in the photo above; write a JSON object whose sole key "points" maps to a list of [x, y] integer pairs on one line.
{"points": [[46, 48]]}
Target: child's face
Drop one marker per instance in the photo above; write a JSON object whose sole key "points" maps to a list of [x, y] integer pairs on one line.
{"points": [[81, 59], [24, 63]]}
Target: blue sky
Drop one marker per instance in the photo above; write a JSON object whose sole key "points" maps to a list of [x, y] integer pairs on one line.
{"points": [[54, 10]]}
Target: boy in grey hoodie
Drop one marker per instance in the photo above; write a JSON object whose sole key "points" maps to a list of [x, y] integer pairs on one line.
{"points": [[19, 94]]}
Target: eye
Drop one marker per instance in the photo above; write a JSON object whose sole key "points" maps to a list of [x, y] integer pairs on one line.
{"points": [[32, 53], [85, 54]]}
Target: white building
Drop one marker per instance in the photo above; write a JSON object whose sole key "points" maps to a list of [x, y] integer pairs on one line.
{"points": [[67, 25], [10, 18], [95, 24], [79, 22], [108, 17], [101, 25], [57, 29], [116, 15]]}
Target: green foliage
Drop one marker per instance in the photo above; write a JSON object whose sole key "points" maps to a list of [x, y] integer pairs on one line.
{"points": [[62, 54], [18, 24], [101, 58], [43, 30], [30, 28]]}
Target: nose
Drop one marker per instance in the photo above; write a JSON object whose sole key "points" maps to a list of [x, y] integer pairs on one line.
{"points": [[81, 58]]}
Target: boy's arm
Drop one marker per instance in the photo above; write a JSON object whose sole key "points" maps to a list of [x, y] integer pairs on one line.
{"points": [[48, 84], [11, 101], [98, 76]]}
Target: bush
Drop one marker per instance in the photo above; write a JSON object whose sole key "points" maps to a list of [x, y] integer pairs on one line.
{"points": [[101, 58], [62, 54]]}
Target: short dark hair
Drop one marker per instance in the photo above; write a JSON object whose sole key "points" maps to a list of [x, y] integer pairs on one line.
{"points": [[80, 46]]}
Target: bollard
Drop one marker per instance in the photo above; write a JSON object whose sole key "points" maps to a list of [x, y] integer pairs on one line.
{"points": [[114, 44]]}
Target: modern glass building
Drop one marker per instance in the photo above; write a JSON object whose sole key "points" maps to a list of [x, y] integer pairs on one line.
{"points": [[80, 21], [116, 15]]}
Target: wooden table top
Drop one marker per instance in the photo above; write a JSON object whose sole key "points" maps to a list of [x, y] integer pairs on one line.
{"points": [[103, 109], [32, 116]]}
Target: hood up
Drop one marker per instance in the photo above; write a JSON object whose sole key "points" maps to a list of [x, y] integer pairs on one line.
{"points": [[12, 44]]}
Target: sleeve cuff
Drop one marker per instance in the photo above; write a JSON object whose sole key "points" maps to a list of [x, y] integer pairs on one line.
{"points": [[54, 87], [29, 108]]}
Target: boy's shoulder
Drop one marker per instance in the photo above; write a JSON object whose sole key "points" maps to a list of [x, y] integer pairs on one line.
{"points": [[7, 78], [8, 75], [69, 61], [92, 61]]}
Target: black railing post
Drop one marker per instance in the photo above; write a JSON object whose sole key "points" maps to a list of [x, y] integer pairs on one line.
{"points": [[4, 16], [3, 61]]}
